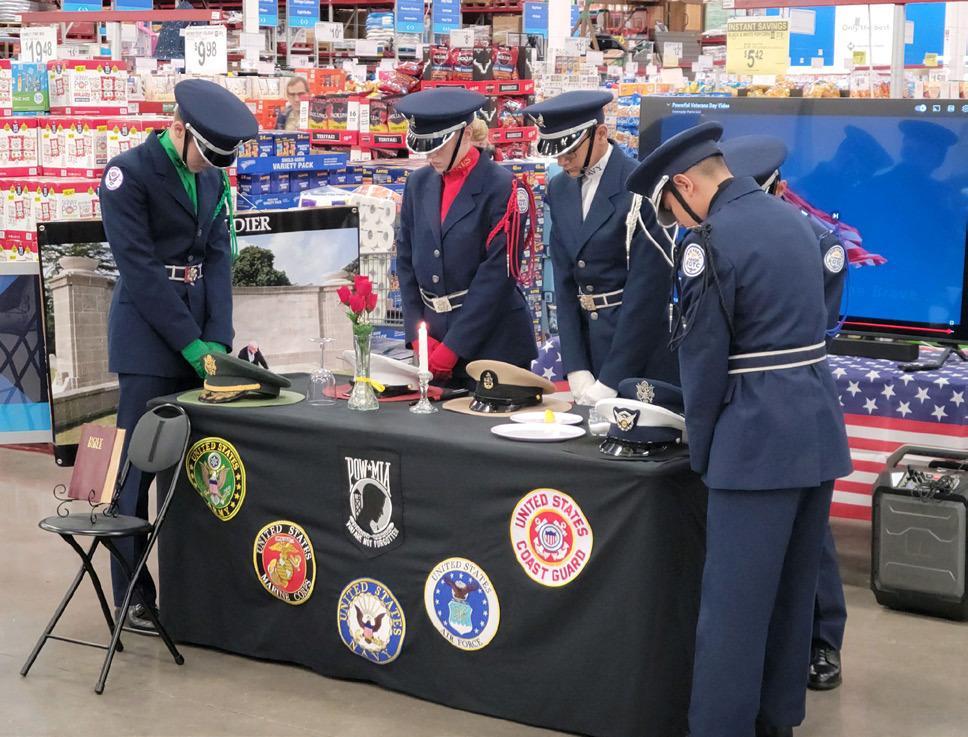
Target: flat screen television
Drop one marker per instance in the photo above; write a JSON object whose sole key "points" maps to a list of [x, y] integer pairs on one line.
{"points": [[892, 174]]}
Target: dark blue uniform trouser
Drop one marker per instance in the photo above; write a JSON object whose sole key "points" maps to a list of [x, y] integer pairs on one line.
{"points": [[755, 618], [830, 609], [136, 391]]}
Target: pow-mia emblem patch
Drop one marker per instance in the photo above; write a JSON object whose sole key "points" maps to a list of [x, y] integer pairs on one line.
{"points": [[523, 201], [626, 419], [462, 604], [113, 178], [693, 260], [216, 472], [551, 537], [374, 499], [371, 621], [284, 561], [488, 379], [645, 392], [835, 258], [209, 364]]}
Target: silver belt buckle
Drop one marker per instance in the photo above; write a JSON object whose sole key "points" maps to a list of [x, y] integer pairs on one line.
{"points": [[587, 302], [441, 304], [191, 274]]}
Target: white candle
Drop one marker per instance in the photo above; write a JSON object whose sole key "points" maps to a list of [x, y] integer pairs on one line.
{"points": [[424, 365]]}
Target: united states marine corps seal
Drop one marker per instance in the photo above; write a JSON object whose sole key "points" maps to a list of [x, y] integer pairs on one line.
{"points": [[462, 604], [371, 621], [551, 537], [215, 469], [284, 561]]}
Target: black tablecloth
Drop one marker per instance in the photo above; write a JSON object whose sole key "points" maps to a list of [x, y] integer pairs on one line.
{"points": [[609, 653]]}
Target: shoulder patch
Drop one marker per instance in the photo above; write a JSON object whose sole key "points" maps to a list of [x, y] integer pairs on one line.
{"points": [[835, 258], [113, 178], [693, 260]]}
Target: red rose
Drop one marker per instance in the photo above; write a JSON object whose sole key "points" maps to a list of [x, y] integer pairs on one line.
{"points": [[344, 295], [357, 303], [371, 301], [362, 286]]}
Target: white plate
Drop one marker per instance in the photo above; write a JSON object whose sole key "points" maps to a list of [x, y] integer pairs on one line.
{"points": [[538, 432], [562, 418]]}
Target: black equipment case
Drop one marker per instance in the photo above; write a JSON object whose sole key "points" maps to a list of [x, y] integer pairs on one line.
{"points": [[919, 541]]}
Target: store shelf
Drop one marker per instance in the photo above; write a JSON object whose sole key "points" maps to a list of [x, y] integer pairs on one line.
{"points": [[120, 16], [491, 9], [502, 87]]}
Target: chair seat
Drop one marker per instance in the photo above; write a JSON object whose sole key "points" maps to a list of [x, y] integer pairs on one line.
{"points": [[80, 524]]}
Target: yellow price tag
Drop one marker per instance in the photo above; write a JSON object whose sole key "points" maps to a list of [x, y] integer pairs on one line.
{"points": [[757, 45], [930, 60], [860, 58]]}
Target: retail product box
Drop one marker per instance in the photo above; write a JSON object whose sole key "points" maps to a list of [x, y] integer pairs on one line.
{"points": [[63, 199], [52, 132], [290, 143], [279, 183], [505, 24], [87, 86], [160, 87], [128, 132], [255, 184], [19, 155], [344, 177], [241, 87], [300, 181], [29, 91], [321, 81], [6, 87]]}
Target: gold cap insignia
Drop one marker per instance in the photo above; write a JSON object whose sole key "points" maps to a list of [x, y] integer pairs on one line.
{"points": [[645, 392], [487, 379], [625, 419], [209, 364]]}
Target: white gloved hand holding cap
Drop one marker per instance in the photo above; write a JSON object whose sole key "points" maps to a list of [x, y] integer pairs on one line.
{"points": [[595, 393]]}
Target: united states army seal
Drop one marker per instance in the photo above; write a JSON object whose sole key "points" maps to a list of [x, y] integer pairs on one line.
{"points": [[284, 561], [551, 537], [462, 604], [216, 472], [371, 621]]}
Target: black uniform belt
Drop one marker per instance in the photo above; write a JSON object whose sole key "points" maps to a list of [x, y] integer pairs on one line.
{"points": [[592, 302], [187, 274], [447, 303], [744, 363]]}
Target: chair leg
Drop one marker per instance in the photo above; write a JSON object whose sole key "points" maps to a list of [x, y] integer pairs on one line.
{"points": [[59, 611], [105, 609], [132, 582]]}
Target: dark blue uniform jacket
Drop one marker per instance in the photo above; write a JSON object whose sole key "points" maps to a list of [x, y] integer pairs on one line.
{"points": [[448, 257], [150, 223], [764, 429], [589, 257]]}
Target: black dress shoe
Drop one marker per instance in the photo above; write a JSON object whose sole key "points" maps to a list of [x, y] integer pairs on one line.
{"points": [[766, 730], [824, 668], [137, 620]]}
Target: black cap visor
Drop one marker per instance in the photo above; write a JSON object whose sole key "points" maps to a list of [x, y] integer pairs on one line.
{"points": [[217, 157], [559, 144]]}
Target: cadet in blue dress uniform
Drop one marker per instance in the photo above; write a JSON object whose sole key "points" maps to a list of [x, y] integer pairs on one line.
{"points": [[765, 430], [760, 157], [611, 295], [165, 209], [456, 266]]}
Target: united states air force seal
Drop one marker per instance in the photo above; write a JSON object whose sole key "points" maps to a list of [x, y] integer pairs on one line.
{"points": [[284, 561], [371, 621], [462, 603], [551, 537], [215, 469]]}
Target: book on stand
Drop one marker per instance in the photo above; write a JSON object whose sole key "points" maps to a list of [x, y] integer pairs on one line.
{"points": [[97, 463]]}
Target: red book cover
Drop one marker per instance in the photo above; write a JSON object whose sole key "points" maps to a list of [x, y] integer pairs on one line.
{"points": [[96, 465]]}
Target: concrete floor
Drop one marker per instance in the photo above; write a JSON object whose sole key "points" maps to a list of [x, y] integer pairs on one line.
{"points": [[905, 675]]}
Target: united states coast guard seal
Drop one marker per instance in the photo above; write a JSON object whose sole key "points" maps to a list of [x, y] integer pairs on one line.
{"points": [[215, 469], [462, 603], [371, 621], [284, 561], [551, 537]]}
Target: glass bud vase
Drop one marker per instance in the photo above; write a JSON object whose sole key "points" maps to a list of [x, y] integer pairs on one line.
{"points": [[362, 397]]}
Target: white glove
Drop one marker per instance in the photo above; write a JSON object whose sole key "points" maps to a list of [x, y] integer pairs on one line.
{"points": [[578, 382], [595, 393]]}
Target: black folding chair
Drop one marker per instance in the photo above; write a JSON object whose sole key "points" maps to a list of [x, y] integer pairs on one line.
{"points": [[158, 444]]}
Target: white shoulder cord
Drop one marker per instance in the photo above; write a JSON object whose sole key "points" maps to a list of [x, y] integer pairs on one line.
{"points": [[634, 219]]}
